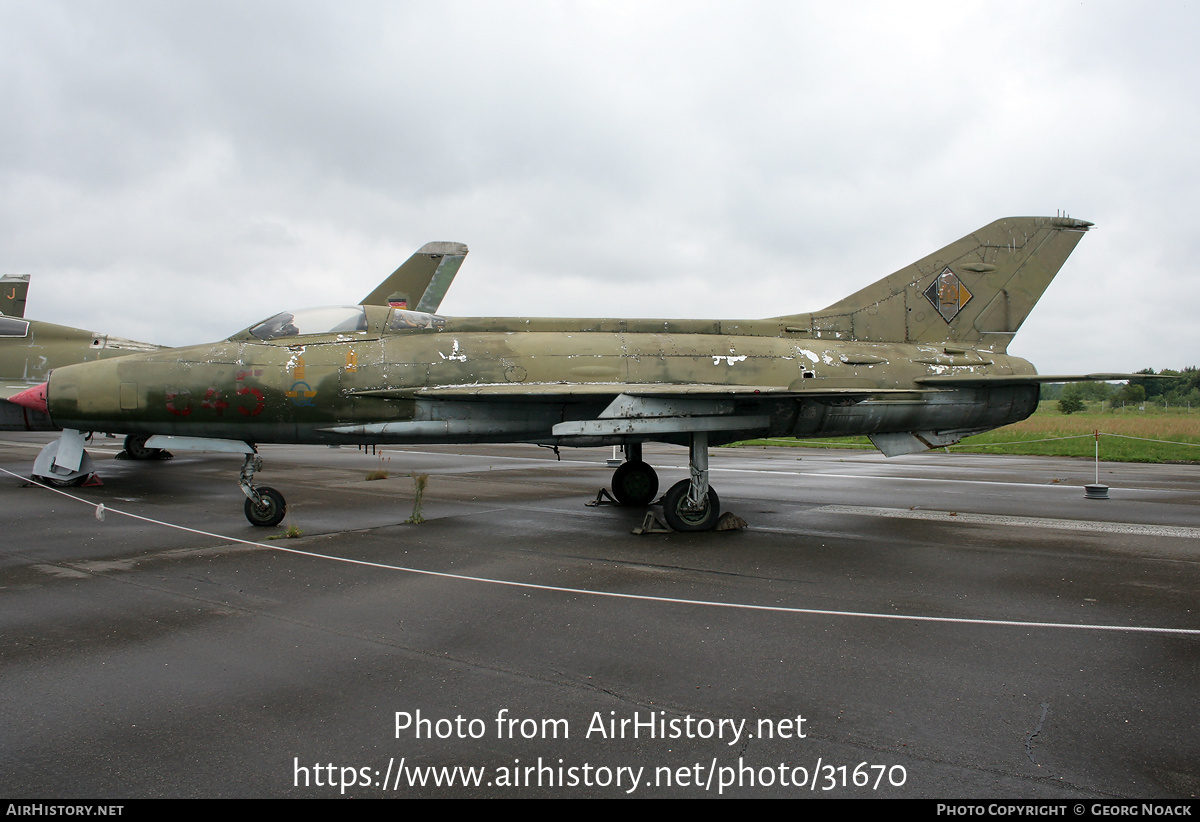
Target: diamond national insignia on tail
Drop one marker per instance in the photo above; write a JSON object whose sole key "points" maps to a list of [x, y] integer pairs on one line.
{"points": [[948, 295]]}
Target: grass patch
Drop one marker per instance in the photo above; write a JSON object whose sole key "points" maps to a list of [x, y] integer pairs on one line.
{"points": [[420, 481], [382, 472]]}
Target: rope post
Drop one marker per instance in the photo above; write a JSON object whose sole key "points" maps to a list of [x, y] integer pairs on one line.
{"points": [[1096, 490]]}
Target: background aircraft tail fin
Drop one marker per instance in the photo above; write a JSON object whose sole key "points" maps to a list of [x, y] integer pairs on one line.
{"points": [[976, 291], [13, 288], [423, 279]]}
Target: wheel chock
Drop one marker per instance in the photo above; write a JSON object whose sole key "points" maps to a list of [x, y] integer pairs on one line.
{"points": [[730, 522], [603, 497], [652, 524]]}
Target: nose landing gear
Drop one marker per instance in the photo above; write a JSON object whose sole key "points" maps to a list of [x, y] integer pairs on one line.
{"points": [[269, 510], [265, 507]]}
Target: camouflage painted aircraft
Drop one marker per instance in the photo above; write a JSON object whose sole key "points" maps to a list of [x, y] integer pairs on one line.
{"points": [[30, 350], [914, 361]]}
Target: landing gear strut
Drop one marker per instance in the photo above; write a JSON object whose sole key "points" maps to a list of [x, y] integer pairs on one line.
{"points": [[265, 507], [690, 504], [634, 482], [63, 463]]}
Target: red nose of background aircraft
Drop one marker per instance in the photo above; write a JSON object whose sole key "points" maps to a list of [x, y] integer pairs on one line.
{"points": [[32, 398]]}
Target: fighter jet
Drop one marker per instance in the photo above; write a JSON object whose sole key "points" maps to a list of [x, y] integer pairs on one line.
{"points": [[914, 361], [30, 349]]}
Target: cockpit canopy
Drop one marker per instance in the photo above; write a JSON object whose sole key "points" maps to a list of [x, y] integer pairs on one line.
{"points": [[11, 327], [336, 319], [341, 319]]}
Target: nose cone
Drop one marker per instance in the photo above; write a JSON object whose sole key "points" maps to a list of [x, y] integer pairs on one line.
{"points": [[32, 398]]}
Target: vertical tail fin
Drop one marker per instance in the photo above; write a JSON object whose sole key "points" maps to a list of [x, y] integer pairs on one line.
{"points": [[423, 279], [13, 288], [975, 291]]}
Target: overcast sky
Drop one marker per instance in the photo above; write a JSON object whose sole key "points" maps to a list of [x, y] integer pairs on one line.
{"points": [[173, 171]]}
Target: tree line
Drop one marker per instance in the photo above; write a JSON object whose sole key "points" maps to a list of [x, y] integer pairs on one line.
{"points": [[1182, 391]]}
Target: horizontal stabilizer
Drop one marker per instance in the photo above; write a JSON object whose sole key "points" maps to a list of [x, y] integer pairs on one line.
{"points": [[914, 442], [981, 381]]}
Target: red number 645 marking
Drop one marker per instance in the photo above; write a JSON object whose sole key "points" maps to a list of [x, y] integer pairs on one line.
{"points": [[242, 390], [181, 397]]}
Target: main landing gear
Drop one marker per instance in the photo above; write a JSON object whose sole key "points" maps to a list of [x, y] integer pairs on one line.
{"points": [[265, 507], [635, 482], [689, 505], [136, 449]]}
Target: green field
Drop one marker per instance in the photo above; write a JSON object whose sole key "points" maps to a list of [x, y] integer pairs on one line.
{"points": [[1125, 435]]}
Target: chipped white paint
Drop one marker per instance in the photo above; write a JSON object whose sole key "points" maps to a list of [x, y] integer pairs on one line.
{"points": [[296, 352], [39, 369], [455, 354], [730, 360], [810, 354]]}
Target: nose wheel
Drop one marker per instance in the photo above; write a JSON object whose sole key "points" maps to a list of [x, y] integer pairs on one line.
{"points": [[269, 510], [265, 507], [63, 463]]}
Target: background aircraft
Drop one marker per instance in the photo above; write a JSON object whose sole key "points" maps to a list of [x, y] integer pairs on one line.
{"points": [[30, 350], [915, 360]]}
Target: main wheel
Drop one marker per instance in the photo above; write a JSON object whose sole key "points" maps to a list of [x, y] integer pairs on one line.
{"points": [[135, 447], [634, 483], [680, 518], [270, 512]]}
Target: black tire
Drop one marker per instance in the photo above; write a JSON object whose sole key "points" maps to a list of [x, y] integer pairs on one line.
{"points": [[55, 482], [634, 483], [270, 513], [681, 519], [135, 447]]}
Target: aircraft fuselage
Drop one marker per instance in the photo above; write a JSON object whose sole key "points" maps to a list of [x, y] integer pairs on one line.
{"points": [[515, 379]]}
